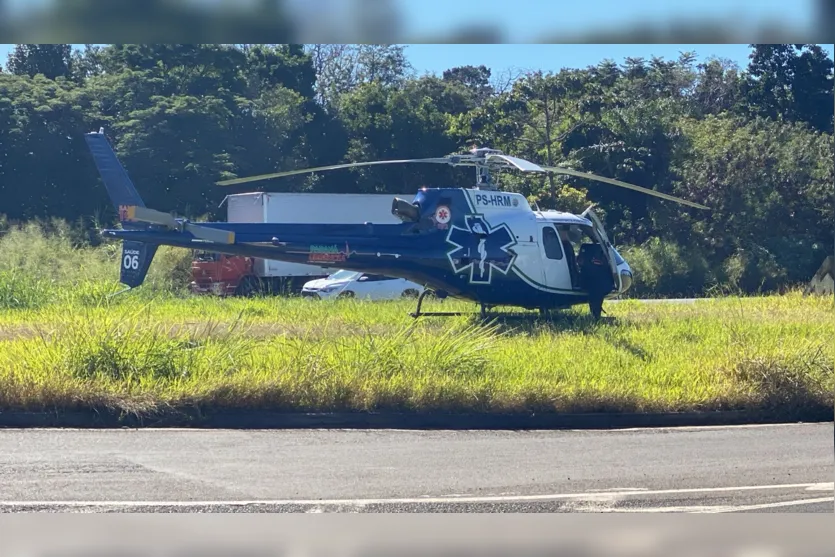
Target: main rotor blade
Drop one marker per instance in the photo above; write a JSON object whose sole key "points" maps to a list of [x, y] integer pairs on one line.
{"points": [[521, 164], [559, 170], [320, 168]]}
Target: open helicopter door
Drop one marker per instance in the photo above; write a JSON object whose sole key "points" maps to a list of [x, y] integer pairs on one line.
{"points": [[608, 248]]}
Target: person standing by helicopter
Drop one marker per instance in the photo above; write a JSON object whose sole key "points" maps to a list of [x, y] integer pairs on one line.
{"points": [[595, 276]]}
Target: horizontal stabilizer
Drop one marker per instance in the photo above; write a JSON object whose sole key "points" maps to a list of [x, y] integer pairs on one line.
{"points": [[152, 216]]}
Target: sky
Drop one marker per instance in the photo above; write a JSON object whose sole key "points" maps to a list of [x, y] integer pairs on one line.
{"points": [[435, 58], [523, 19]]}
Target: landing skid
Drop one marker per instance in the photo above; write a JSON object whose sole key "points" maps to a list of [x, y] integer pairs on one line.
{"points": [[484, 313], [417, 313]]}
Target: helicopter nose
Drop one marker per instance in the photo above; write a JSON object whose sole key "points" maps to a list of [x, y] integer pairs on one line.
{"points": [[625, 279]]}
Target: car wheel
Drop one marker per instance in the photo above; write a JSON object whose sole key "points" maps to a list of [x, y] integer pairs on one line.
{"points": [[346, 294], [410, 293]]}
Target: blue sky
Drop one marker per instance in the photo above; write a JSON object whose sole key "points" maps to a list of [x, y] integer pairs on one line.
{"points": [[526, 20], [553, 57]]}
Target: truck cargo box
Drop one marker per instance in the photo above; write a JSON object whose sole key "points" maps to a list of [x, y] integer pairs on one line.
{"points": [[316, 208]]}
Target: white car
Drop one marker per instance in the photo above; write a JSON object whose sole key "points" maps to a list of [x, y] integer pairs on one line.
{"points": [[351, 284]]}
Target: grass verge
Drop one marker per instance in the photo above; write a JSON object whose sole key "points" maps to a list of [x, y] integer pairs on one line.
{"points": [[146, 358]]}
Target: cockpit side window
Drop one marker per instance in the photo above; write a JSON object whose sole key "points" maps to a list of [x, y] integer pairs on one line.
{"points": [[551, 242]]}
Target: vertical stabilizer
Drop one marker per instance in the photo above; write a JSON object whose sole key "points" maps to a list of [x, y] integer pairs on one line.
{"points": [[120, 189]]}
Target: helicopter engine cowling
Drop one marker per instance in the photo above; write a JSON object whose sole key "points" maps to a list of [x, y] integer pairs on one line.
{"points": [[405, 211]]}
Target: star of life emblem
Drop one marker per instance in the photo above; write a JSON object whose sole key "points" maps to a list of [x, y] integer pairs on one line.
{"points": [[481, 248], [443, 214]]}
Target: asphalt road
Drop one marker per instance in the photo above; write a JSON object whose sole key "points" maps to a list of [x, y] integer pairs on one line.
{"points": [[784, 468]]}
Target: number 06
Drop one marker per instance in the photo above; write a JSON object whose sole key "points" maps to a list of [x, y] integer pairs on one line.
{"points": [[131, 262]]}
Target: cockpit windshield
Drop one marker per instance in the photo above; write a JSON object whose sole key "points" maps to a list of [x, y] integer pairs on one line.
{"points": [[342, 274]]}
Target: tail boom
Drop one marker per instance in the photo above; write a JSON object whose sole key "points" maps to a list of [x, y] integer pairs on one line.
{"points": [[401, 256]]}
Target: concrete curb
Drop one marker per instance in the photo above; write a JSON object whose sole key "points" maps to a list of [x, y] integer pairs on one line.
{"points": [[390, 420]]}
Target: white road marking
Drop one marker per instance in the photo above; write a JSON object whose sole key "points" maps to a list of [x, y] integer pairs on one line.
{"points": [[707, 427], [775, 505], [620, 490], [721, 508], [822, 487], [591, 496]]}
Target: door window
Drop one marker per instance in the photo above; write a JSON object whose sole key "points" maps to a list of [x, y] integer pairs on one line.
{"points": [[551, 243]]}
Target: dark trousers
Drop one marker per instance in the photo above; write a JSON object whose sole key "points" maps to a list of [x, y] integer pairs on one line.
{"points": [[597, 280]]}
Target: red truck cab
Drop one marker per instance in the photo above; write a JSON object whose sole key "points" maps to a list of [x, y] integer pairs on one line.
{"points": [[219, 274], [235, 275]]}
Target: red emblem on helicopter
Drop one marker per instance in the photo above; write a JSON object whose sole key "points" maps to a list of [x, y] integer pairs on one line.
{"points": [[443, 215]]}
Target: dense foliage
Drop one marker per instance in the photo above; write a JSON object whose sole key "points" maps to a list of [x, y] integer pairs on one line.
{"points": [[755, 144]]}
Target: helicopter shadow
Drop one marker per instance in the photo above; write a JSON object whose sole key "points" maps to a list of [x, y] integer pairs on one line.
{"points": [[555, 322], [509, 324]]}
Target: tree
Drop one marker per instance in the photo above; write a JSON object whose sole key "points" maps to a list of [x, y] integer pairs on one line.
{"points": [[382, 63], [793, 82], [51, 60], [768, 184], [718, 89], [475, 79], [341, 68], [396, 123], [812, 90]]}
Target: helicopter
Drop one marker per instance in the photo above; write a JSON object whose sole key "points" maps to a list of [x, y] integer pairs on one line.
{"points": [[479, 244]]}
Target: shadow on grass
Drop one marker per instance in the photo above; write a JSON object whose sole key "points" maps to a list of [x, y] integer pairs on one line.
{"points": [[571, 321], [511, 324]]}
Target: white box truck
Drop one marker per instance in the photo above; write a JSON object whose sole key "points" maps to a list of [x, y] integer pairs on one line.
{"points": [[236, 275]]}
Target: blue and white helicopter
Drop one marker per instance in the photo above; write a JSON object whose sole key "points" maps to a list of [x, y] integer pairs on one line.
{"points": [[479, 244]]}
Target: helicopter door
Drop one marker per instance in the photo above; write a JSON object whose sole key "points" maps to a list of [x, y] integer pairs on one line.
{"points": [[554, 264], [604, 239]]}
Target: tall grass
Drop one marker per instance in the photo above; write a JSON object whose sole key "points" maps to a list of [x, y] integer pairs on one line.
{"points": [[770, 353], [43, 263], [65, 344]]}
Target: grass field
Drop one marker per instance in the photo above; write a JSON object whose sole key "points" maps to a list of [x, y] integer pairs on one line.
{"points": [[145, 356], [65, 345]]}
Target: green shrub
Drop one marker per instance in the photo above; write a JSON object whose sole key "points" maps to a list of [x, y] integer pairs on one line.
{"points": [[662, 268]]}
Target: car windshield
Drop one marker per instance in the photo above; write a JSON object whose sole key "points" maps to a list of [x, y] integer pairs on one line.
{"points": [[343, 275], [203, 256]]}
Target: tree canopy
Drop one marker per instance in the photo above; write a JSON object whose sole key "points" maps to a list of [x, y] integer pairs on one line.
{"points": [[755, 143]]}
